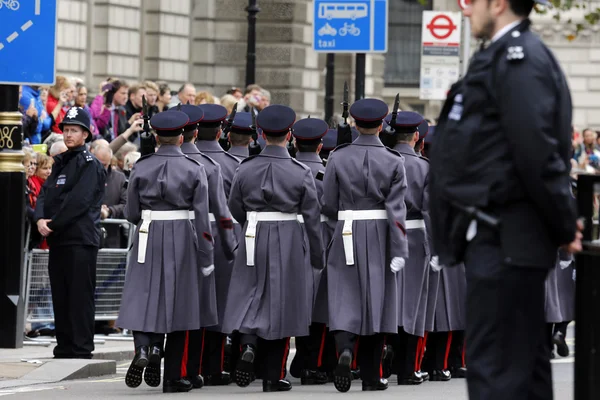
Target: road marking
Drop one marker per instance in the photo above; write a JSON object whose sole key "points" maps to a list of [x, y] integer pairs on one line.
{"points": [[567, 360], [28, 389], [37, 7], [26, 25], [119, 379], [12, 37]]}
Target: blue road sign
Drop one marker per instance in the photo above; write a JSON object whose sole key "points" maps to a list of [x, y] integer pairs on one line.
{"points": [[28, 42], [350, 26]]}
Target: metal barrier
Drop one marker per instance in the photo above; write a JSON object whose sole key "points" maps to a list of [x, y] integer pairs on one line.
{"points": [[110, 279]]}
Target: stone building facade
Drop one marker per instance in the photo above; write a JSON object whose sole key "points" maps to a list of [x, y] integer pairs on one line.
{"points": [[204, 42]]}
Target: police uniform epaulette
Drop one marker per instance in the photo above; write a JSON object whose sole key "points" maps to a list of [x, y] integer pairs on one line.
{"points": [[515, 47], [247, 158], [88, 156]]}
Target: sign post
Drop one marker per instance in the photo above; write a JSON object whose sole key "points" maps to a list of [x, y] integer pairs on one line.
{"points": [[351, 26], [466, 44], [440, 53], [27, 57]]}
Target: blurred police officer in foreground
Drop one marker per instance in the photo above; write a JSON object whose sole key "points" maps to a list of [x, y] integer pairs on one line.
{"points": [[502, 148], [68, 214]]}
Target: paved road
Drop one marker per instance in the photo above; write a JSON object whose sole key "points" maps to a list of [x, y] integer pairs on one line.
{"points": [[113, 387]]}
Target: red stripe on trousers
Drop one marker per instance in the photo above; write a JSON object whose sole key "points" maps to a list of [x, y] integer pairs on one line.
{"points": [[185, 355], [423, 349], [464, 350], [417, 355], [322, 347], [355, 355], [223, 353], [448, 343], [286, 353], [381, 359]]}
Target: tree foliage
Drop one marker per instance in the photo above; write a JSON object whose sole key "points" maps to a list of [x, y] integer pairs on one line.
{"points": [[560, 7]]}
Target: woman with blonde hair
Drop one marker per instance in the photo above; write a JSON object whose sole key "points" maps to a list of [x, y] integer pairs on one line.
{"points": [[42, 172], [58, 96], [228, 101], [204, 98]]}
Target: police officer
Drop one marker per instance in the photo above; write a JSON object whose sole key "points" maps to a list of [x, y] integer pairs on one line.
{"points": [[502, 146], [270, 295], [167, 198], [209, 132], [413, 280], [364, 189], [68, 215], [225, 243], [308, 134]]}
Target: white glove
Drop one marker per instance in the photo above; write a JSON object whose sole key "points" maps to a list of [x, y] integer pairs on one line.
{"points": [[564, 264], [397, 264], [206, 271], [435, 264]]}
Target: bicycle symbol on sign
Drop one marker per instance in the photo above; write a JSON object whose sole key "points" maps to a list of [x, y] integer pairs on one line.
{"points": [[348, 29], [10, 4]]}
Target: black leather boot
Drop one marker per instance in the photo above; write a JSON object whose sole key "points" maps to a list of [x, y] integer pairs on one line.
{"points": [[343, 373], [152, 372], [177, 386], [133, 378], [276, 386], [244, 372]]}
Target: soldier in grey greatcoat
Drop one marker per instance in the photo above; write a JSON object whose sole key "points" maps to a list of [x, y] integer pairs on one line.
{"points": [[413, 280], [270, 296], [167, 199], [363, 189], [225, 244], [209, 132], [240, 135], [207, 141], [308, 361], [560, 302]]}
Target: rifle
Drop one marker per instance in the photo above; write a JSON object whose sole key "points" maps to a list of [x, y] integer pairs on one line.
{"points": [[344, 131], [388, 135], [290, 144], [147, 141], [224, 140], [254, 147]]}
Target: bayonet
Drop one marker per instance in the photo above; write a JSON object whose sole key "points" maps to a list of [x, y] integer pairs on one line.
{"points": [[147, 143], [388, 135], [344, 130]]}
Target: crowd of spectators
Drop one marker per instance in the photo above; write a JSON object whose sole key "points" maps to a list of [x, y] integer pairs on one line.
{"points": [[586, 151]]}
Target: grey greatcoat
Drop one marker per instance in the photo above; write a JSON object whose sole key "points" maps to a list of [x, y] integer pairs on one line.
{"points": [[450, 308], [560, 291], [320, 311], [223, 234], [240, 152], [365, 175], [413, 279], [273, 299], [164, 294], [228, 163]]}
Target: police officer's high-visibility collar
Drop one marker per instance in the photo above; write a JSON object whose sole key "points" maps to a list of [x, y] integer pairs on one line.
{"points": [[368, 113], [169, 123], [194, 113], [242, 123], [214, 115], [406, 122], [276, 120], [310, 129]]}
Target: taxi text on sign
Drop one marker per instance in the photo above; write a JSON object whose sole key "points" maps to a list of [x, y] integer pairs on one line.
{"points": [[440, 53], [28, 42], [350, 26]]}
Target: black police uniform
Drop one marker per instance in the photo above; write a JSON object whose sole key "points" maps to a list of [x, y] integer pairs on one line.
{"points": [[502, 146], [72, 198]]}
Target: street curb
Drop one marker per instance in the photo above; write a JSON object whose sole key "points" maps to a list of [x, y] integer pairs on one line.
{"points": [[115, 355], [61, 370]]}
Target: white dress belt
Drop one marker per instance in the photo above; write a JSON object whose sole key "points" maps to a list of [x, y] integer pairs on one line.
{"points": [[348, 216], [147, 217], [415, 224], [253, 218]]}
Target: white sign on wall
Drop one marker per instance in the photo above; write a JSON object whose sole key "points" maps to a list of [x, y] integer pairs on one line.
{"points": [[440, 53]]}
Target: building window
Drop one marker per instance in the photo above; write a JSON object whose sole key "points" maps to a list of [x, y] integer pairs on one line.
{"points": [[403, 59]]}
